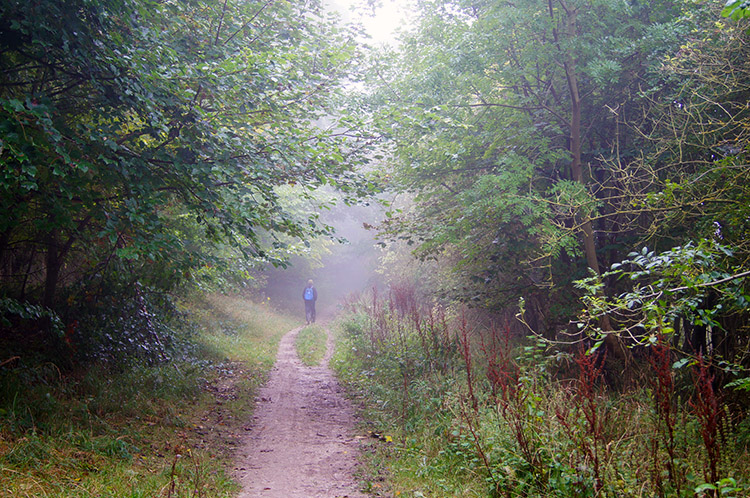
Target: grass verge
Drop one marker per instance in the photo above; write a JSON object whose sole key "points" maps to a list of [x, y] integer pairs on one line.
{"points": [[311, 344], [142, 430], [474, 414]]}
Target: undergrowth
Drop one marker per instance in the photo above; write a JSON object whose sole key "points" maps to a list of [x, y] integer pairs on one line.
{"points": [[459, 409], [139, 429]]}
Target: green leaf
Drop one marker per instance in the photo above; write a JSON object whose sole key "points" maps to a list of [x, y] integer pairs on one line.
{"points": [[705, 487], [681, 363]]}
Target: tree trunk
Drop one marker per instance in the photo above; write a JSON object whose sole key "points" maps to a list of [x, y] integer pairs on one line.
{"points": [[587, 230], [53, 264], [57, 251], [4, 259]]}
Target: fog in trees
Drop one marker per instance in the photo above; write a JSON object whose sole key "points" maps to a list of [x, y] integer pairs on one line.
{"points": [[342, 265]]}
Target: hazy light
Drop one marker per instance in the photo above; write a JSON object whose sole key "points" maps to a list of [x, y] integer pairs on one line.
{"points": [[380, 22]]}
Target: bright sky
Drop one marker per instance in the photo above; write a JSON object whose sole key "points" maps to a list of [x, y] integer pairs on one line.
{"points": [[389, 15]]}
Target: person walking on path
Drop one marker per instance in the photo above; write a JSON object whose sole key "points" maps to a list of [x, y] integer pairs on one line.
{"points": [[310, 295]]}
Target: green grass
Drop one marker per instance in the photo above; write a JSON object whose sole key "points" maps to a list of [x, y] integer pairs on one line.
{"points": [[236, 330], [311, 344], [530, 434], [143, 431]]}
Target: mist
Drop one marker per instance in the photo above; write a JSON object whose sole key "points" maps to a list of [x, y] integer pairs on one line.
{"points": [[353, 266], [345, 268]]}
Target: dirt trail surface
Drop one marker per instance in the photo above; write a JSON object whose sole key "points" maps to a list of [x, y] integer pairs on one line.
{"points": [[300, 443]]}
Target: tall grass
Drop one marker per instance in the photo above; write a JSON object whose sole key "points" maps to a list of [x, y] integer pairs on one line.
{"points": [[466, 410], [234, 329], [140, 430]]}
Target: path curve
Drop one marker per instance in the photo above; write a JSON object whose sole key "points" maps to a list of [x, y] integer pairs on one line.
{"points": [[300, 443]]}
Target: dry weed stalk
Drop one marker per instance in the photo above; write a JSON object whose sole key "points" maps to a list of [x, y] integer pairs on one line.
{"points": [[707, 407]]}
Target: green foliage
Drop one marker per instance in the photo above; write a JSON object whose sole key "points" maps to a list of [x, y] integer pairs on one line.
{"points": [[542, 139], [700, 284], [146, 141], [139, 429], [531, 136], [736, 9], [542, 426], [11, 309], [484, 102]]}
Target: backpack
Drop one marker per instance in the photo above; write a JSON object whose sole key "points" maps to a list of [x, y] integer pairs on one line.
{"points": [[309, 294]]}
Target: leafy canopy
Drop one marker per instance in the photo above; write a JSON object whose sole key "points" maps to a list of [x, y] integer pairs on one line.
{"points": [[136, 131]]}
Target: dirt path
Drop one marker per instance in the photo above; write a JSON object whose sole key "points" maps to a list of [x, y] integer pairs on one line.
{"points": [[300, 443]]}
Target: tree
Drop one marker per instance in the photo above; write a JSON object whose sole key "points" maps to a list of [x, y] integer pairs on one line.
{"points": [[128, 125], [509, 121], [694, 286], [143, 141]]}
